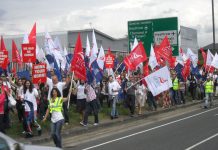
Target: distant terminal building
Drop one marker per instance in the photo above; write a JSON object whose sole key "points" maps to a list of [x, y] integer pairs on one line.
{"points": [[68, 40], [119, 46]]}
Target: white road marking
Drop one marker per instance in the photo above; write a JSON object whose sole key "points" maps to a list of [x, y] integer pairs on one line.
{"points": [[166, 124], [201, 142]]}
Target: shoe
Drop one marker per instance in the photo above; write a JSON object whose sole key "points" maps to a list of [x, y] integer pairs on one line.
{"points": [[29, 134], [66, 123], [95, 124], [116, 117], [205, 107], [24, 132], [112, 117], [83, 124]]}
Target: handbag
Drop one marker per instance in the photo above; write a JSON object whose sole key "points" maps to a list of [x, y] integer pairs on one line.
{"points": [[11, 101]]}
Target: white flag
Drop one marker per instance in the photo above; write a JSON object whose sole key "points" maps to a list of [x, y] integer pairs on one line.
{"points": [[135, 43], [88, 49], [61, 53], [94, 50], [101, 58], [52, 49], [152, 59], [40, 54], [110, 72], [193, 57], [215, 61], [159, 81], [209, 58]]}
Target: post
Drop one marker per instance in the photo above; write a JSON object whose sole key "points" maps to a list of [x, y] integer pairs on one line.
{"points": [[213, 25], [70, 91]]}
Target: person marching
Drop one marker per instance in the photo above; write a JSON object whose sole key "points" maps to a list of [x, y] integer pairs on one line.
{"points": [[3, 92], [208, 91], [57, 118], [29, 95], [91, 105]]}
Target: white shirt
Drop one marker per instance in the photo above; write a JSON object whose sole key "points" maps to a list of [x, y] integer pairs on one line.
{"points": [[81, 92], [20, 90], [59, 85], [31, 97], [56, 116], [113, 85], [141, 89]]}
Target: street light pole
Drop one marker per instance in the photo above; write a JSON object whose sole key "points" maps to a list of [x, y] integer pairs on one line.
{"points": [[213, 25]]}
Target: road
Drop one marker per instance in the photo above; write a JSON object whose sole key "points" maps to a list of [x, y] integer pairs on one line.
{"points": [[185, 129]]}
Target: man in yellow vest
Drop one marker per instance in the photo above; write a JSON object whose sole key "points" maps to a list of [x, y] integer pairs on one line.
{"points": [[175, 80], [208, 91]]}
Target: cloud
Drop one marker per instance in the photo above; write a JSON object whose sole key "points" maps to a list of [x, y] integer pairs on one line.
{"points": [[2, 13], [111, 16]]}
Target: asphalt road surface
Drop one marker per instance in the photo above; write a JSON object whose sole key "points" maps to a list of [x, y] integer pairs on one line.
{"points": [[186, 129]]}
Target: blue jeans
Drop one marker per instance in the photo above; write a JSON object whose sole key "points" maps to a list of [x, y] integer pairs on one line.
{"points": [[56, 132], [209, 98], [176, 100], [114, 100]]}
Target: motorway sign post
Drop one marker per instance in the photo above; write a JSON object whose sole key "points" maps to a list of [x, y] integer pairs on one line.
{"points": [[152, 31]]}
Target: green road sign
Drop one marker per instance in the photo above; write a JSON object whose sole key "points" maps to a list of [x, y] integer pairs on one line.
{"points": [[152, 31]]}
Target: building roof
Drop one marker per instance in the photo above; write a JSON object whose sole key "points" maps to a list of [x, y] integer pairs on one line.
{"points": [[96, 31], [210, 47]]}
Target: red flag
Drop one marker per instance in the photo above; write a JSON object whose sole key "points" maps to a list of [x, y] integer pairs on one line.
{"points": [[210, 69], [146, 70], [172, 62], [13, 71], [186, 69], [165, 50], [204, 55], [160, 60], [3, 48], [78, 62], [136, 57], [32, 35], [109, 59], [4, 60], [15, 54]]}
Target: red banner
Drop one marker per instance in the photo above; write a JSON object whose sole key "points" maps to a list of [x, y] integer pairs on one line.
{"points": [[3, 59], [29, 53], [109, 60], [39, 73]]}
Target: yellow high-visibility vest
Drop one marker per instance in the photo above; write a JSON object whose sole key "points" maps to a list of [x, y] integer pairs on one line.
{"points": [[209, 87], [176, 84], [56, 105]]}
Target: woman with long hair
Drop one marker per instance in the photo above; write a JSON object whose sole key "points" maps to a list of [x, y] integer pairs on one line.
{"points": [[57, 118], [29, 95]]}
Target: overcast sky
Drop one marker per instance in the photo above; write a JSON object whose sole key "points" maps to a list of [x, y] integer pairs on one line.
{"points": [[108, 16]]}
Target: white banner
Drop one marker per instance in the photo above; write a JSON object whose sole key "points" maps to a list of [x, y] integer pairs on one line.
{"points": [[215, 61], [159, 81]]}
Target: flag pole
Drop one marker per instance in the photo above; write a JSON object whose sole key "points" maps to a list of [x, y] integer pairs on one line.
{"points": [[123, 68], [135, 83], [118, 67], [70, 91]]}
